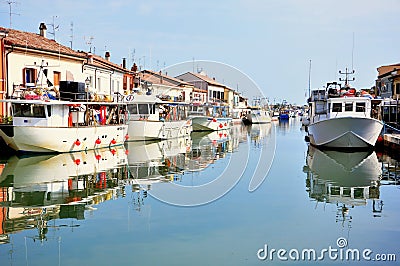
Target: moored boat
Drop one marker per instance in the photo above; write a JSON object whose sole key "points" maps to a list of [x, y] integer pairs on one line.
{"points": [[153, 119], [341, 119], [257, 115], [209, 118], [43, 125]]}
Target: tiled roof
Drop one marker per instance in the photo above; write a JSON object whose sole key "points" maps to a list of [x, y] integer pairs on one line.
{"points": [[167, 78], [208, 80], [35, 41], [99, 61], [150, 77]]}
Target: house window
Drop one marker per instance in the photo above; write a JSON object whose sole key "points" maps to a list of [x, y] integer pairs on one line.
{"points": [[98, 87], [29, 77], [336, 107], [125, 83], [397, 88], [56, 78], [348, 107]]}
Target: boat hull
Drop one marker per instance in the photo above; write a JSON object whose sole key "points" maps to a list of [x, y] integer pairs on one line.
{"points": [[158, 130], [205, 123], [64, 139], [345, 132], [260, 119]]}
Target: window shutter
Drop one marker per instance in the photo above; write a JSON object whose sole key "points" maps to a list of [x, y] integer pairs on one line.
{"points": [[24, 76]]}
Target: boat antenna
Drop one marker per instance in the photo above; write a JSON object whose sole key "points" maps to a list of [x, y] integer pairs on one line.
{"points": [[346, 73], [352, 54], [309, 80]]}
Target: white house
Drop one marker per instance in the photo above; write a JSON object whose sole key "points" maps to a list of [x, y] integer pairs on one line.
{"points": [[32, 60]]}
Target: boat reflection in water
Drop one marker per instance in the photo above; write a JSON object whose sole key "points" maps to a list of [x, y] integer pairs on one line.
{"points": [[258, 133], [347, 179], [37, 189], [154, 162]]}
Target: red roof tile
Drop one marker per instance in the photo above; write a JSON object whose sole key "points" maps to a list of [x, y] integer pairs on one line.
{"points": [[35, 41]]}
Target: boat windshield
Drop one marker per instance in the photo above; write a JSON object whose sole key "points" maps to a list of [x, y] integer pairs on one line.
{"points": [[29, 110]]}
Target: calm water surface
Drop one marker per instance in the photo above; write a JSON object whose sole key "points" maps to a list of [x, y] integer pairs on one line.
{"points": [[97, 208]]}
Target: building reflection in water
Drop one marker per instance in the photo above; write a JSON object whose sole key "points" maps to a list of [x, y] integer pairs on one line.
{"points": [[35, 190], [347, 179]]}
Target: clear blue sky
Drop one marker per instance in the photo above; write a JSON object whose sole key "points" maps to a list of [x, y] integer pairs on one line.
{"points": [[271, 41]]}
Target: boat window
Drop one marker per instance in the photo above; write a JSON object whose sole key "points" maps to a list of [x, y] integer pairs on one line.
{"points": [[48, 110], [132, 108], [152, 108], [143, 109], [336, 107], [29, 110], [348, 107], [360, 107]]}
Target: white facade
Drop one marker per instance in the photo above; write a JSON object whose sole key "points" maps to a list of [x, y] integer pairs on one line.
{"points": [[103, 81], [19, 63]]}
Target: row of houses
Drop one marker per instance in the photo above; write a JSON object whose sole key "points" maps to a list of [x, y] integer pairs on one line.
{"points": [[31, 60]]}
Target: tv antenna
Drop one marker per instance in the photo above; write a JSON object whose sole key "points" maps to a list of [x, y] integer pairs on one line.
{"points": [[10, 3], [72, 33], [55, 28], [89, 42]]}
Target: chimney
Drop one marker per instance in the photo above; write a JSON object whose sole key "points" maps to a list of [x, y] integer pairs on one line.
{"points": [[42, 29], [90, 58], [107, 56], [124, 63]]}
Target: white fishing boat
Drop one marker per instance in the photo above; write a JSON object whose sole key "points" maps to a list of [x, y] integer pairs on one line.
{"points": [[210, 118], [258, 113], [153, 119], [339, 118], [41, 124], [238, 114]]}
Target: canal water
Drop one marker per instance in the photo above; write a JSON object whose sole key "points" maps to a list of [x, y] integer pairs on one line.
{"points": [[191, 202]]}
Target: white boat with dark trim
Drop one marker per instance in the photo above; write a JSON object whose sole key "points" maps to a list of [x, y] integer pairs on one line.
{"points": [[210, 117], [153, 119], [258, 113], [44, 125], [341, 118]]}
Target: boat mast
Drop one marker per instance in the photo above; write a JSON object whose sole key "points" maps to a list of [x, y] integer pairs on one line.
{"points": [[309, 80]]}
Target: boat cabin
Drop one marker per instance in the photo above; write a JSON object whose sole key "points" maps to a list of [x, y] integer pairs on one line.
{"points": [[151, 108], [39, 113], [65, 114], [324, 107], [209, 110]]}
